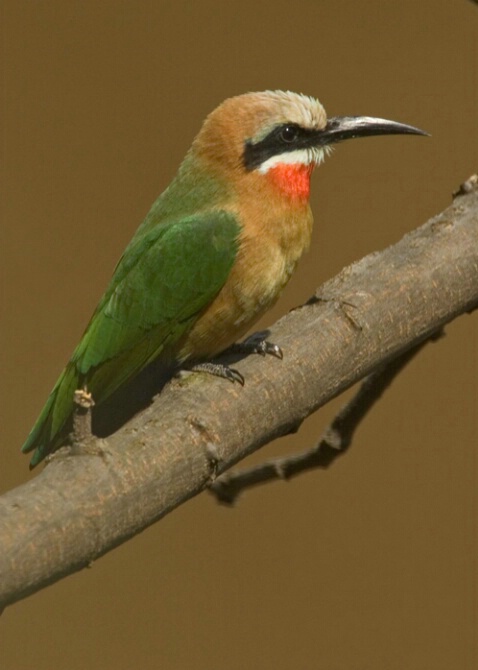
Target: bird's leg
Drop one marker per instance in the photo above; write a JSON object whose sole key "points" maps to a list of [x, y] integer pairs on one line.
{"points": [[219, 370], [257, 344]]}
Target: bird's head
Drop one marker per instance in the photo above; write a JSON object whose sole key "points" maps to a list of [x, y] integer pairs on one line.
{"points": [[281, 136]]}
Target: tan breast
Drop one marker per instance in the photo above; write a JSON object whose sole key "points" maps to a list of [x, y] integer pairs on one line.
{"points": [[275, 234]]}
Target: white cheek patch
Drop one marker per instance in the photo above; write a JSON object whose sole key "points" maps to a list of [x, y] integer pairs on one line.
{"points": [[297, 157]]}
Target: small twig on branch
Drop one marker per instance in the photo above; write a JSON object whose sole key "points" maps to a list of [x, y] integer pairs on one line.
{"points": [[468, 185], [334, 442], [82, 417]]}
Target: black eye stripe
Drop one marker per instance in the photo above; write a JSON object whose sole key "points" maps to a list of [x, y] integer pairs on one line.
{"points": [[286, 137]]}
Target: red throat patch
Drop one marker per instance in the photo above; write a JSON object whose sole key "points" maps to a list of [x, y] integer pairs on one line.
{"points": [[293, 179]]}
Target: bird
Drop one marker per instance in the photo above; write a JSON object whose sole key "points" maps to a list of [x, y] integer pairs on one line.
{"points": [[212, 255]]}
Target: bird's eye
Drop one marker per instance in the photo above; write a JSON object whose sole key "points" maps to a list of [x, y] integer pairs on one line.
{"points": [[289, 134]]}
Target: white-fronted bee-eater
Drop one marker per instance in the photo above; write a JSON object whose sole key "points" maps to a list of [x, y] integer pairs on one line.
{"points": [[212, 255]]}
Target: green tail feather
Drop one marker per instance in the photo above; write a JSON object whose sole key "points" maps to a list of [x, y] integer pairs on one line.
{"points": [[54, 423], [52, 426]]}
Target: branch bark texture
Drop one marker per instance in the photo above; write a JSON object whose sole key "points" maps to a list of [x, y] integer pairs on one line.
{"points": [[83, 504], [334, 442]]}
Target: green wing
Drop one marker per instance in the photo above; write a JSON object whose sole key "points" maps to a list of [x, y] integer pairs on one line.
{"points": [[167, 275]]}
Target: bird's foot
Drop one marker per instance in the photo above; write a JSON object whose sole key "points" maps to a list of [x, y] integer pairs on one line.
{"points": [[219, 370], [257, 344]]}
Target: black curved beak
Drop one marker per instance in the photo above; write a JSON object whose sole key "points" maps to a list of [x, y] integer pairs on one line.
{"points": [[340, 128]]}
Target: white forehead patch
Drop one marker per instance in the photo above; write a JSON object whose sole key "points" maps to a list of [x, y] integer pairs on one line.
{"points": [[288, 107], [301, 109]]}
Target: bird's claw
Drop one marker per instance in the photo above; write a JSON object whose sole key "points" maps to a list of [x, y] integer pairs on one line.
{"points": [[232, 374], [256, 344], [220, 370], [265, 348]]}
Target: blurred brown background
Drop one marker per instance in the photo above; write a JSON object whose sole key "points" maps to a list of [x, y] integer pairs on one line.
{"points": [[370, 565]]}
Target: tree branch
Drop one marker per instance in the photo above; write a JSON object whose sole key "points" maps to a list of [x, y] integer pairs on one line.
{"points": [[334, 442], [83, 505]]}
